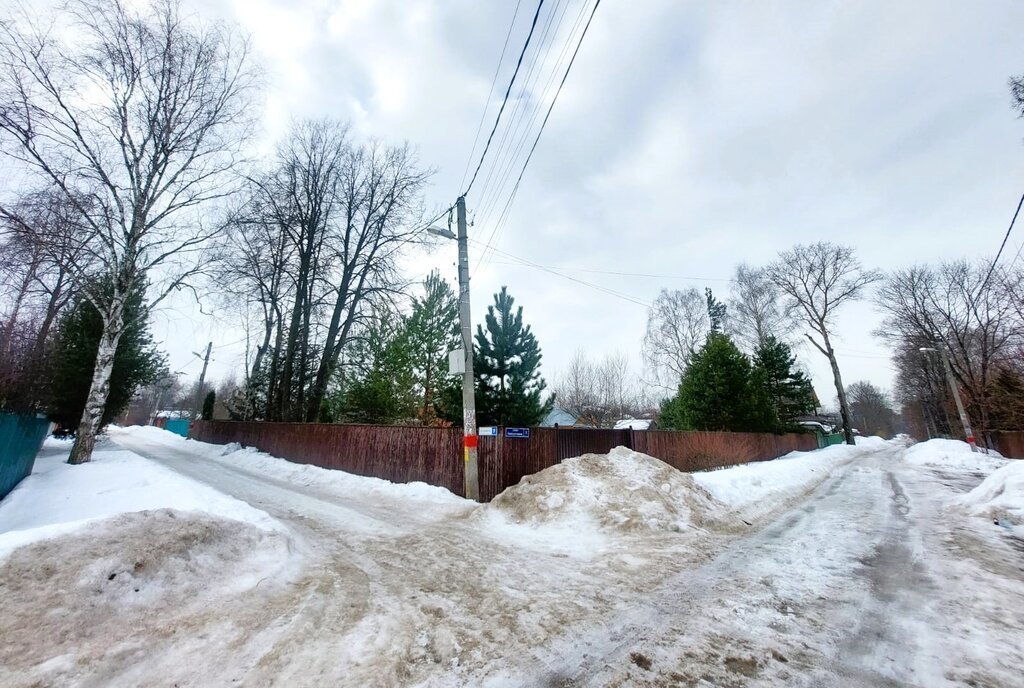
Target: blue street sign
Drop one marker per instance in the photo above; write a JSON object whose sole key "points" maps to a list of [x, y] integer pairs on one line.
{"points": [[517, 432], [487, 430]]}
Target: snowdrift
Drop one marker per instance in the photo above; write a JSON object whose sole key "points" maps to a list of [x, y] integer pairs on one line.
{"points": [[622, 492], [1000, 496], [954, 454], [336, 481], [58, 498], [147, 574]]}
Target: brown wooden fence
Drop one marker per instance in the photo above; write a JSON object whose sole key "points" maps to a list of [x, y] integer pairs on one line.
{"points": [[434, 455], [1009, 444]]}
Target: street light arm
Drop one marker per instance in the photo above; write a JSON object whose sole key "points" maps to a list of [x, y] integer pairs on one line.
{"points": [[447, 234]]}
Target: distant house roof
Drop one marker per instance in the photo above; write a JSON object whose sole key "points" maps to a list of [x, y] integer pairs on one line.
{"points": [[816, 425], [558, 416], [635, 424], [173, 413]]}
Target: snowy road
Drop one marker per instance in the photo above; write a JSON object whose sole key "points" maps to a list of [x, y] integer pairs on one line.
{"points": [[862, 585], [869, 580], [866, 582]]}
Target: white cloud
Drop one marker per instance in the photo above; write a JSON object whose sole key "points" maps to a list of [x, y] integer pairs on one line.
{"points": [[688, 138]]}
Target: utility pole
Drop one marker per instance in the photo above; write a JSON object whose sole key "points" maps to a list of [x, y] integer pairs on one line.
{"points": [[956, 393], [469, 437], [202, 379]]}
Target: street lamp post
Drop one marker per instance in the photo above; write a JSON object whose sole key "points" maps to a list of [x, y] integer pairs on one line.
{"points": [[941, 350], [469, 436]]}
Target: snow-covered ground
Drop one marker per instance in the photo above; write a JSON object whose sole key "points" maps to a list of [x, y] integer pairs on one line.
{"points": [[59, 498], [867, 565]]}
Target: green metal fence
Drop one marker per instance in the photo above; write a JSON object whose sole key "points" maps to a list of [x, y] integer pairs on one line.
{"points": [[20, 440], [826, 440]]}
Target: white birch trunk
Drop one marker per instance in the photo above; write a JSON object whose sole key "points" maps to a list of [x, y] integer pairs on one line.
{"points": [[89, 427]]}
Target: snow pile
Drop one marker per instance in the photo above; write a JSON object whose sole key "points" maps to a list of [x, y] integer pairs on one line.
{"points": [[58, 498], [874, 442], [755, 490], [622, 492], [138, 582], [1000, 497], [952, 454], [336, 481]]}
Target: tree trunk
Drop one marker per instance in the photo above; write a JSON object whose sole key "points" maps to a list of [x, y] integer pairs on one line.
{"points": [[8, 332], [92, 416], [844, 406], [337, 334]]}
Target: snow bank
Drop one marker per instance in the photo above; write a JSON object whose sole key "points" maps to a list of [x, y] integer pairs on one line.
{"points": [[754, 490], [584, 500], [952, 454], [1000, 497], [58, 498], [107, 608], [331, 480]]}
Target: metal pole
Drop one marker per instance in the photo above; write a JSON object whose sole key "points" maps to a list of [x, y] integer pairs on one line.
{"points": [[956, 397], [470, 439], [202, 379]]}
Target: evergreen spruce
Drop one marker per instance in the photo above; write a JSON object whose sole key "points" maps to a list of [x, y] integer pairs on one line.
{"points": [[506, 363], [379, 385], [787, 390], [208, 403], [137, 362], [432, 331], [718, 392], [716, 312]]}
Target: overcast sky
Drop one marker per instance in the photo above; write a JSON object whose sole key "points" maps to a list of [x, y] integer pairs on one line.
{"points": [[689, 137]]}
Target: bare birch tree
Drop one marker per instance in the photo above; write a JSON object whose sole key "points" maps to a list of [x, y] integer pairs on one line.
{"points": [[141, 113], [818, 279], [677, 325], [599, 393], [756, 309]]}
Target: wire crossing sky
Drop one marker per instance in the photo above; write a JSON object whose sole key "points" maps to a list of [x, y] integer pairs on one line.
{"points": [[689, 138]]}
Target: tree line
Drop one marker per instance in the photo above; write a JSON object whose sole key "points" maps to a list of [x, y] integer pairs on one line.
{"points": [[130, 126], [734, 367]]}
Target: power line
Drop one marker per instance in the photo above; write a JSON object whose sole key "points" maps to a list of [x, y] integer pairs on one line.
{"points": [[504, 100], [510, 145], [507, 159], [487, 102], [629, 274], [507, 165], [496, 232], [598, 287], [1006, 237]]}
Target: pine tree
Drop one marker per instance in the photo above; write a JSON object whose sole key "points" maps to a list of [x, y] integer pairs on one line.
{"points": [[716, 312], [379, 385], [506, 363], [432, 331], [137, 361], [717, 392], [788, 391]]}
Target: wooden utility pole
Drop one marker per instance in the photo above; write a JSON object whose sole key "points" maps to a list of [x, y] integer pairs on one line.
{"points": [[202, 378]]}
